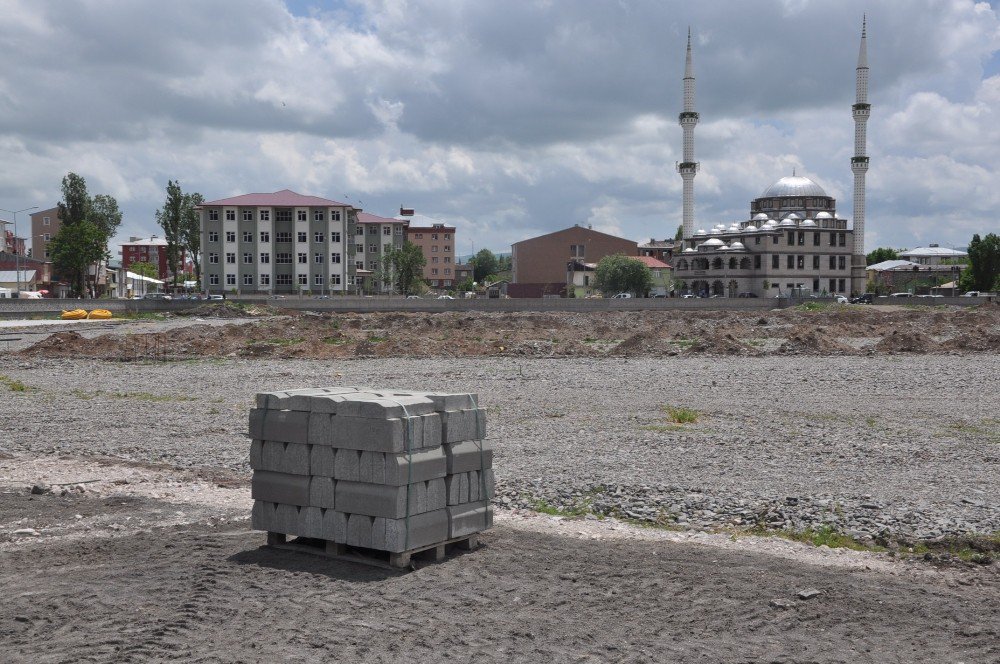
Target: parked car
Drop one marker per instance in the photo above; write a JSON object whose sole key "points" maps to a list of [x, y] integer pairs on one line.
{"points": [[901, 295], [972, 293], [864, 298], [747, 294], [687, 296], [622, 296], [216, 297], [156, 296], [841, 299], [658, 295], [413, 297], [445, 297]]}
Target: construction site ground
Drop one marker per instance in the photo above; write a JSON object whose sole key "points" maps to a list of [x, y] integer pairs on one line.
{"points": [[620, 534]]}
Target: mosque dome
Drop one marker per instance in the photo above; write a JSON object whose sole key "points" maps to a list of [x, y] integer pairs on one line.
{"points": [[794, 185], [714, 242]]}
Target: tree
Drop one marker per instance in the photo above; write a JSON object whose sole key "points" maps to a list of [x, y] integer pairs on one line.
{"points": [[621, 274], [679, 235], [145, 269], [88, 224], [407, 264], [190, 231], [983, 273], [881, 254], [484, 263], [74, 249], [466, 284], [170, 218]]}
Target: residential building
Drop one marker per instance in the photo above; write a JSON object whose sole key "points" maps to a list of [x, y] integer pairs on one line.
{"points": [[375, 237], [899, 275], [580, 280], [793, 242], [437, 242], [539, 263], [463, 271], [40, 279], [662, 250], [659, 273], [934, 255], [151, 250], [281, 242], [44, 226]]}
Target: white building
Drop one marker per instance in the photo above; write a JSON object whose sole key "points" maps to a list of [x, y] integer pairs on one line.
{"points": [[934, 255]]}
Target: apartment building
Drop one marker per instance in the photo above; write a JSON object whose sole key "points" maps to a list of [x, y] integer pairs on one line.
{"points": [[281, 242], [374, 238], [44, 226], [150, 250], [437, 242]]}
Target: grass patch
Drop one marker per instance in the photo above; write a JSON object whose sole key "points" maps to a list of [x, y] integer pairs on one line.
{"points": [[140, 315], [987, 429], [375, 339], [822, 536], [335, 340], [284, 342], [681, 415], [545, 507], [813, 306], [13, 385], [683, 343]]}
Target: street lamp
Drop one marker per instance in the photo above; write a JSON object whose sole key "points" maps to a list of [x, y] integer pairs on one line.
{"points": [[17, 256]]}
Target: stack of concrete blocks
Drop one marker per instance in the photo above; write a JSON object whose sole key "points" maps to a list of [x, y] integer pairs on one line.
{"points": [[379, 469]]}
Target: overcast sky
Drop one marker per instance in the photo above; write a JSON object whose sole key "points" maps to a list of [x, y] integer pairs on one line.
{"points": [[508, 119]]}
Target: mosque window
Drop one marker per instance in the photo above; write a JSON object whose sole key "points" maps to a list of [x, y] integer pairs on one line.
{"points": [[815, 239], [802, 238], [833, 239], [800, 262], [833, 262], [756, 262], [774, 261], [842, 239], [791, 261]]}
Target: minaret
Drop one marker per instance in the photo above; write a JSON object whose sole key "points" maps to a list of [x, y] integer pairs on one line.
{"points": [[689, 167], [859, 162]]}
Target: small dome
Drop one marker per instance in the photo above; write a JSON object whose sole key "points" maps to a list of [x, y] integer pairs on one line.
{"points": [[690, 250], [792, 216], [737, 246], [760, 216], [714, 242], [794, 186], [786, 222], [808, 222], [734, 228], [723, 248], [701, 231], [749, 228], [824, 215]]}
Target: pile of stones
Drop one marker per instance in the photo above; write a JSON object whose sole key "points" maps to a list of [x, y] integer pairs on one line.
{"points": [[388, 470]]}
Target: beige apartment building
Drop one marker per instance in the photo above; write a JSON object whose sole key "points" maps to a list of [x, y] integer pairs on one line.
{"points": [[437, 242], [44, 226]]}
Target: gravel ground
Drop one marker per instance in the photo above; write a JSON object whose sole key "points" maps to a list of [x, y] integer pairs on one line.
{"points": [[879, 447]]}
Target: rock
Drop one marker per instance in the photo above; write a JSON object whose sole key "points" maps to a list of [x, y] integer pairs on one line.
{"points": [[30, 532], [783, 604], [40, 489], [809, 593]]}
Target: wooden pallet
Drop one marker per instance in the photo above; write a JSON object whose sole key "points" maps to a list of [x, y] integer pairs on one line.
{"points": [[372, 557]]}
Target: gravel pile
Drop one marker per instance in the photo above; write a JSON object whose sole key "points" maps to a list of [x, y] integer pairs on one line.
{"points": [[875, 447]]}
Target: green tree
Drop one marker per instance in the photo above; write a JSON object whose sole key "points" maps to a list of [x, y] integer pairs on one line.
{"points": [[621, 274], [75, 205], [106, 216], [407, 263], [145, 269], [679, 235], [190, 231], [881, 254], [983, 273], [466, 284], [484, 263], [170, 218], [74, 249]]}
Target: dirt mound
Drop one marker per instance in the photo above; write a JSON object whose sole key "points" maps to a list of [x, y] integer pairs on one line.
{"points": [[227, 310], [58, 343], [721, 343], [906, 341], [814, 341], [976, 340]]}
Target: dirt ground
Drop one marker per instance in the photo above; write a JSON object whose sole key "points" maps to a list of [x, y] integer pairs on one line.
{"points": [[812, 330], [209, 592]]}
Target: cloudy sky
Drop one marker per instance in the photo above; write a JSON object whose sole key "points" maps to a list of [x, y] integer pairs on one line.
{"points": [[508, 119]]}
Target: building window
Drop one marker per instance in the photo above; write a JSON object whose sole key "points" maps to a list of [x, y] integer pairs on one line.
{"points": [[833, 285], [447, 270], [213, 279], [841, 288], [434, 236], [418, 236], [447, 282], [399, 230], [318, 258], [841, 262], [800, 262], [756, 240], [577, 250], [372, 265], [283, 279], [815, 285], [265, 215], [213, 258], [318, 215], [756, 262], [360, 265], [360, 230], [265, 257], [335, 236], [790, 262], [213, 236], [317, 280], [774, 261], [359, 248], [247, 257], [230, 215], [833, 239], [815, 262], [334, 215], [447, 247], [230, 236], [247, 215], [791, 238], [434, 249], [802, 238], [231, 257], [265, 280], [335, 258], [334, 279], [373, 230], [434, 270], [283, 259], [303, 280], [815, 238], [247, 236], [303, 257], [47, 255], [302, 236], [842, 239], [447, 259], [387, 230], [248, 280], [230, 279], [301, 215], [386, 248], [434, 259], [833, 262], [265, 236], [213, 215], [45, 221], [447, 236], [283, 236], [319, 236], [350, 280], [283, 215]]}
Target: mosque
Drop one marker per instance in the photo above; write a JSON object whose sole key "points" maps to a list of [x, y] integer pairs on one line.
{"points": [[793, 242]]}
